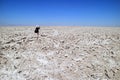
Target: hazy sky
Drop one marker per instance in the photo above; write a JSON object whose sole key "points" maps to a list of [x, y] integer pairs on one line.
{"points": [[60, 12]]}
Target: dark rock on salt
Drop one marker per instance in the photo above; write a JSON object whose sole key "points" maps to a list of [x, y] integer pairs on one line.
{"points": [[17, 57], [19, 71]]}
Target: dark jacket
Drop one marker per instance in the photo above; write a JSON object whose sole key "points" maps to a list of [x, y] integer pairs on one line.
{"points": [[37, 29]]}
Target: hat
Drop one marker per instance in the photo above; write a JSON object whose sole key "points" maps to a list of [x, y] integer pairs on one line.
{"points": [[37, 26]]}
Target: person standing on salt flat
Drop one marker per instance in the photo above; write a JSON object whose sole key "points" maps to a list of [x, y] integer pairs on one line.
{"points": [[37, 30]]}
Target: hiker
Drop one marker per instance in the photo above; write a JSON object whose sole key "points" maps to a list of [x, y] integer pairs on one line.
{"points": [[37, 30]]}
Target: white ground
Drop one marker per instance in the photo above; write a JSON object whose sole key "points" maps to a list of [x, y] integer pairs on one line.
{"points": [[60, 53]]}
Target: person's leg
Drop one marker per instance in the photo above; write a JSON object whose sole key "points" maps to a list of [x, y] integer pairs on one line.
{"points": [[37, 35]]}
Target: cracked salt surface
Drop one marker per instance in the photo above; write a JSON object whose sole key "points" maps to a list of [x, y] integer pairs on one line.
{"points": [[61, 54]]}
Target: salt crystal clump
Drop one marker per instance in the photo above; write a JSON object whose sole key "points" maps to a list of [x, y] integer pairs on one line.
{"points": [[55, 33], [51, 53]]}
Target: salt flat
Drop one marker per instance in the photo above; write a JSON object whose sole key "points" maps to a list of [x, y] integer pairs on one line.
{"points": [[60, 53]]}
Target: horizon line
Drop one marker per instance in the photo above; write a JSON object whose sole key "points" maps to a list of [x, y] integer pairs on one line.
{"points": [[57, 26]]}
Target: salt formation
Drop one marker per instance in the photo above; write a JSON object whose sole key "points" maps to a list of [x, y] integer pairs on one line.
{"points": [[55, 33], [61, 53]]}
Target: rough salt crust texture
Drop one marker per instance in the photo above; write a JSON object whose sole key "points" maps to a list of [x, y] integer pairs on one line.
{"points": [[60, 53]]}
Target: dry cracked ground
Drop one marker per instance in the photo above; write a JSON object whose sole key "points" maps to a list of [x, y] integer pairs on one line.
{"points": [[60, 53]]}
